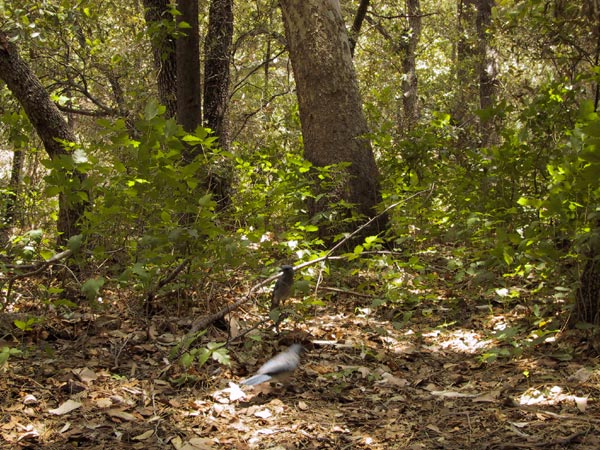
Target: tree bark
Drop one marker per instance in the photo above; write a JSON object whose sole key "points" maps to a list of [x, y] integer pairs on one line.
{"points": [[189, 113], [359, 18], [11, 196], [488, 70], [217, 52], [334, 127], [157, 15], [217, 56], [52, 129], [410, 82], [587, 295], [464, 62]]}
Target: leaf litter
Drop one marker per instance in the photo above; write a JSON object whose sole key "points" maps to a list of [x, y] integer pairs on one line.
{"points": [[364, 383]]}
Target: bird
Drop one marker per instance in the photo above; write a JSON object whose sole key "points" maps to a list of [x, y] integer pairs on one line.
{"points": [[283, 287], [279, 367]]}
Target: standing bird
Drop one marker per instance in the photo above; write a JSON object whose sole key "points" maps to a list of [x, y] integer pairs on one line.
{"points": [[283, 287], [278, 367]]}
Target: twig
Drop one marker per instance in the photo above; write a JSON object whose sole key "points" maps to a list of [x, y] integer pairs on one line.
{"points": [[548, 444], [39, 265], [34, 270], [346, 291], [163, 282]]}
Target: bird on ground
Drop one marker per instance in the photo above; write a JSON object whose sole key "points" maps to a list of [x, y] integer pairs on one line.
{"points": [[279, 367], [283, 287]]}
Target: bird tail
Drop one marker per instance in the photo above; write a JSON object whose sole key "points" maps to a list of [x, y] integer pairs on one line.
{"points": [[256, 379]]}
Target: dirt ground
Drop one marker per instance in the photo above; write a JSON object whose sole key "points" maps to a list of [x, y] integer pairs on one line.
{"points": [[103, 381]]}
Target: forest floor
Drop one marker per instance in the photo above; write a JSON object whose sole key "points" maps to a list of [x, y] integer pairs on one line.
{"points": [[102, 380]]}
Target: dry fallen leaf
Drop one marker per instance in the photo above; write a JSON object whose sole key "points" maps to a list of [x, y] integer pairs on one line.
{"points": [[65, 408], [263, 414], [121, 415], [142, 437], [302, 406], [581, 376], [30, 399], [104, 402], [582, 403], [85, 374]]}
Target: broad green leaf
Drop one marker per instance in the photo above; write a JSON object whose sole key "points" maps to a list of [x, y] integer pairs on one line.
{"points": [[91, 288]]}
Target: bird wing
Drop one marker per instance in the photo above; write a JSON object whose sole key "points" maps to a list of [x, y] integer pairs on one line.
{"points": [[286, 361]]}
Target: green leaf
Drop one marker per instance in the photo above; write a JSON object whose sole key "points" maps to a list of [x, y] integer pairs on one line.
{"points": [[36, 235], [6, 353], [152, 109], [202, 356], [74, 242], [222, 356], [91, 288], [186, 360]]}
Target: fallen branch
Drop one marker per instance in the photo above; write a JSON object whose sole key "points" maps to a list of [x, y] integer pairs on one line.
{"points": [[34, 269], [38, 266]]}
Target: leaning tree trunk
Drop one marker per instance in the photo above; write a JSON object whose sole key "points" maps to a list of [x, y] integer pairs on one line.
{"points": [[52, 129], [334, 127], [359, 18]]}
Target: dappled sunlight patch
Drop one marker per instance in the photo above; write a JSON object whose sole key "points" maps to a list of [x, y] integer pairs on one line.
{"points": [[464, 341], [552, 395]]}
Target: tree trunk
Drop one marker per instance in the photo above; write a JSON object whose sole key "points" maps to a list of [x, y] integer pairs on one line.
{"points": [[587, 296], [334, 127], [15, 186], [217, 52], [488, 70], [189, 113], [11, 197], [52, 129], [189, 108], [359, 18], [163, 49], [410, 82], [588, 293], [464, 62], [217, 55]]}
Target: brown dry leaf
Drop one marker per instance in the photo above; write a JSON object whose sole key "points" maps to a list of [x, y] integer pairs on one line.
{"points": [[452, 394], [581, 376], [199, 444], [103, 403], [120, 414], [234, 326], [146, 435], [388, 378], [85, 374], [487, 397], [30, 433], [65, 408], [302, 406]]}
